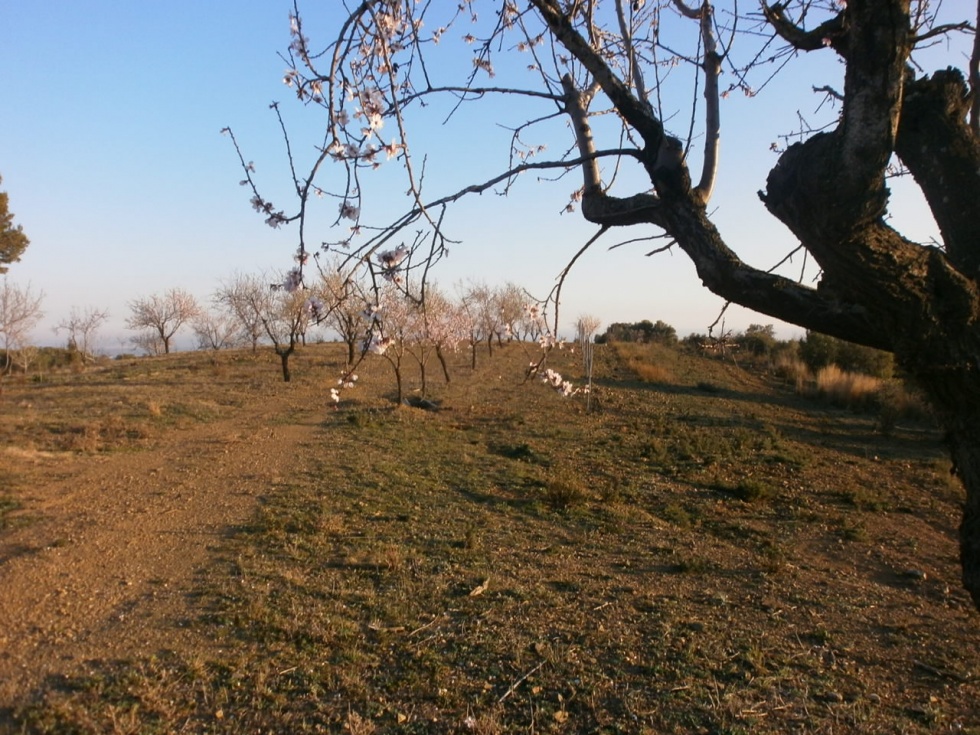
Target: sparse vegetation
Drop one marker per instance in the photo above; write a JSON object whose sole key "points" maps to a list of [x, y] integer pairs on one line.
{"points": [[510, 563]]}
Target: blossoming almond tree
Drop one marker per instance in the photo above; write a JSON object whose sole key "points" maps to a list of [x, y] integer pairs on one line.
{"points": [[162, 316], [601, 66]]}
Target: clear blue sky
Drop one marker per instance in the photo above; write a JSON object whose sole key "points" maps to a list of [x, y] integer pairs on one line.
{"points": [[111, 154]]}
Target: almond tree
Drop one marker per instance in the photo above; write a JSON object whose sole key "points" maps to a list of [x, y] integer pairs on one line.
{"points": [[216, 330], [284, 316], [432, 328], [603, 67], [347, 297], [473, 305], [244, 298], [163, 315], [511, 300], [446, 324], [392, 329], [82, 326], [20, 311]]}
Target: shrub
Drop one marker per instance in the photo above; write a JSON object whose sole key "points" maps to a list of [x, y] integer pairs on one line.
{"points": [[819, 351], [651, 373], [747, 489], [563, 492], [896, 401], [867, 360], [644, 331], [758, 340]]}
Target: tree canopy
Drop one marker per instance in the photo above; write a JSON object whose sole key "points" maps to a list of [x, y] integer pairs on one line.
{"points": [[13, 241]]}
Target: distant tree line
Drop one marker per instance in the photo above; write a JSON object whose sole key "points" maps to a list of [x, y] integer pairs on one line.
{"points": [[816, 350], [644, 332]]}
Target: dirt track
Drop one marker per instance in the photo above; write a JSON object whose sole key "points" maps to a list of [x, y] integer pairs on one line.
{"points": [[106, 565]]}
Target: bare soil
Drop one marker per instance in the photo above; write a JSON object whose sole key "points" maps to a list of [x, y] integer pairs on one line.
{"points": [[122, 506], [187, 544]]}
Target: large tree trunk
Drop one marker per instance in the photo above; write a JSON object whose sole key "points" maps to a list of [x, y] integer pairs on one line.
{"points": [[284, 359], [876, 288], [442, 361], [964, 442]]}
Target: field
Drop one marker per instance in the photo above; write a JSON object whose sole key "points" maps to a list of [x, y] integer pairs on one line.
{"points": [[188, 544]]}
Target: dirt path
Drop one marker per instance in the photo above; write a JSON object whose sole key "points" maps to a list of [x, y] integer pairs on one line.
{"points": [[106, 570]]}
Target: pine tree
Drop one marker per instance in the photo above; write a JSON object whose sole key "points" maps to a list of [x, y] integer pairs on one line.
{"points": [[13, 241]]}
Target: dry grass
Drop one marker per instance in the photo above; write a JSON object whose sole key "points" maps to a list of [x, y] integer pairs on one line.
{"points": [[847, 389], [793, 371], [649, 363], [684, 560]]}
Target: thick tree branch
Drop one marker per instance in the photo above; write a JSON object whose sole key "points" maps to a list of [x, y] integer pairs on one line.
{"points": [[878, 46], [725, 275], [597, 206], [635, 112], [937, 144], [829, 33], [975, 77], [712, 122]]}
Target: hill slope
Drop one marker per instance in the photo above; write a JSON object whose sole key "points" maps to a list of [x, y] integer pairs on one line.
{"points": [[191, 545]]}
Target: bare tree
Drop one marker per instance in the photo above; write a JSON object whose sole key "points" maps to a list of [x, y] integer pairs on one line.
{"points": [[216, 331], [586, 326], [604, 66], [286, 324], [347, 297], [483, 320], [246, 297], [163, 315], [82, 326], [148, 342], [511, 300], [284, 315], [20, 311]]}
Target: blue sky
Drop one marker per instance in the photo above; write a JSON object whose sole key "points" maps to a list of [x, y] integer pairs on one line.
{"points": [[111, 154]]}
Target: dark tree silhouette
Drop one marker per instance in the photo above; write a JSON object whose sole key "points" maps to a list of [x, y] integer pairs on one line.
{"points": [[13, 241]]}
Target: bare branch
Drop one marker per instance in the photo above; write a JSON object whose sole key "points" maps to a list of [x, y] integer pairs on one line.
{"points": [[829, 33], [597, 206], [941, 30], [635, 71], [712, 70], [636, 112]]}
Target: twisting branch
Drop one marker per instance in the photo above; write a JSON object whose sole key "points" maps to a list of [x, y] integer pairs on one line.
{"points": [[568, 269], [829, 33], [597, 206]]}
